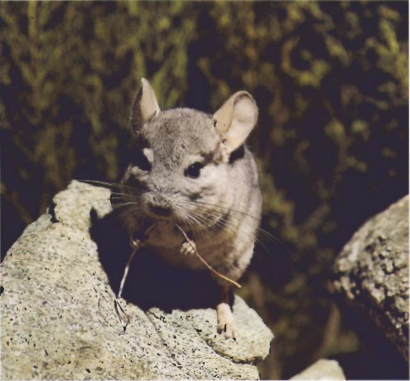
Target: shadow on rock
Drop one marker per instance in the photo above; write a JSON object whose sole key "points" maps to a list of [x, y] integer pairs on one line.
{"points": [[150, 282]]}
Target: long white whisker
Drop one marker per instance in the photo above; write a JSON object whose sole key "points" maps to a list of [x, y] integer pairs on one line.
{"points": [[231, 227], [229, 209]]}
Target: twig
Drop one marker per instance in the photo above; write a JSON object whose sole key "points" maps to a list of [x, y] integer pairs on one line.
{"points": [[136, 244], [205, 262], [117, 306], [127, 267]]}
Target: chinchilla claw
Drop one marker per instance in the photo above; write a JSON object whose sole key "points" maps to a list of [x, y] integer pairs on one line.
{"points": [[188, 248]]}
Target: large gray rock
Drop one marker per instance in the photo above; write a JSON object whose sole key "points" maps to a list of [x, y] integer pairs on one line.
{"points": [[58, 319], [373, 272]]}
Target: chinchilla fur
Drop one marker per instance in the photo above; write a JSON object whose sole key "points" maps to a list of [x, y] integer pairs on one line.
{"points": [[194, 169]]}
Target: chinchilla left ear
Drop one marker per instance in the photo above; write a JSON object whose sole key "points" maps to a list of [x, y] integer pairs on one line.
{"points": [[145, 106], [236, 119]]}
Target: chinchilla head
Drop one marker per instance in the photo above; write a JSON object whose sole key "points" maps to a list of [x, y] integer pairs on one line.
{"points": [[181, 159]]}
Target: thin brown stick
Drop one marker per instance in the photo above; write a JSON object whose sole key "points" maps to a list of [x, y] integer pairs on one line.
{"points": [[136, 244], [205, 262], [127, 268]]}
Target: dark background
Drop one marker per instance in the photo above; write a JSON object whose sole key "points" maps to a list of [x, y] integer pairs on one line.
{"points": [[331, 82]]}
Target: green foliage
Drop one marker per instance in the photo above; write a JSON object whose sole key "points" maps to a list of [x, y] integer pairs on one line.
{"points": [[331, 82], [69, 73]]}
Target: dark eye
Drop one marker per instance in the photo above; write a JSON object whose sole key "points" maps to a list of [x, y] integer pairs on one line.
{"points": [[194, 170], [141, 161]]}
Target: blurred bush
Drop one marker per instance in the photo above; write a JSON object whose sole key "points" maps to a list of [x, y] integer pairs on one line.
{"points": [[331, 81]]}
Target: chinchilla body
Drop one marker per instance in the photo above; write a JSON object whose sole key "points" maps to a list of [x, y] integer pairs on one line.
{"points": [[191, 169]]}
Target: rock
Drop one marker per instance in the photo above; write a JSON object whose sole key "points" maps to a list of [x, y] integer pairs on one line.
{"points": [[373, 272], [322, 370], [58, 318]]}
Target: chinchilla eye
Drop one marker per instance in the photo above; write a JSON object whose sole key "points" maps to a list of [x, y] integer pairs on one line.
{"points": [[194, 170], [141, 161]]}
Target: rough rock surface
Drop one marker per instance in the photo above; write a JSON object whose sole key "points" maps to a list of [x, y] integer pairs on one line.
{"points": [[58, 319], [322, 370], [373, 272]]}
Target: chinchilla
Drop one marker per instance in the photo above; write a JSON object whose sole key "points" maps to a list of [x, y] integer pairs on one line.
{"points": [[193, 169]]}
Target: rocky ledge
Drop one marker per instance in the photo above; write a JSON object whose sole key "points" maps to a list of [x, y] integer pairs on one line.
{"points": [[59, 321]]}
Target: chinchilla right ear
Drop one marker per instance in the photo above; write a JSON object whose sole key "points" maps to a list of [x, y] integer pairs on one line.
{"points": [[145, 106], [236, 119]]}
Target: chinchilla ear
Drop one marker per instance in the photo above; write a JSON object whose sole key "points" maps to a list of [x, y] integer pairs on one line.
{"points": [[145, 106], [236, 119]]}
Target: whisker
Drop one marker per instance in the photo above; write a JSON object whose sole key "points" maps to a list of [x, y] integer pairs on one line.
{"points": [[229, 209], [98, 182], [133, 210], [110, 185], [201, 221], [260, 230], [234, 229], [123, 204]]}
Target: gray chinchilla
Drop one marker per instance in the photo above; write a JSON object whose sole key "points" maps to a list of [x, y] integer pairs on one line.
{"points": [[193, 169]]}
